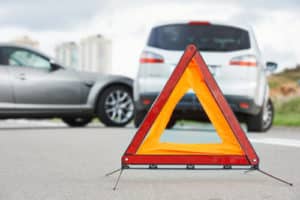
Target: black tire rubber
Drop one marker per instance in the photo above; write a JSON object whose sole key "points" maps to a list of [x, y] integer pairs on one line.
{"points": [[171, 123], [138, 118], [140, 115], [256, 123], [77, 121], [100, 111]]}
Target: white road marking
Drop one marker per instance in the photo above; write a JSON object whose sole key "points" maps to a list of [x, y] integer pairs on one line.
{"points": [[277, 141]]}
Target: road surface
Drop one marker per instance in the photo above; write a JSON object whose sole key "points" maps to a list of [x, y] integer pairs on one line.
{"points": [[48, 161]]}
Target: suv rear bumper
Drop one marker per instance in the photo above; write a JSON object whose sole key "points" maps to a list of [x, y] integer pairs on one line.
{"points": [[190, 108]]}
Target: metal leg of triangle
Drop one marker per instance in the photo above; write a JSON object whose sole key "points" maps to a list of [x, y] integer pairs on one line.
{"points": [[113, 172], [274, 177], [118, 179]]}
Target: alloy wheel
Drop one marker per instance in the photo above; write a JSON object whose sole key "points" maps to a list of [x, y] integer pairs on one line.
{"points": [[119, 106]]}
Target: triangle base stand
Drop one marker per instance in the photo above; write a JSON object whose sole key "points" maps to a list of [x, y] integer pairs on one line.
{"points": [[193, 167]]}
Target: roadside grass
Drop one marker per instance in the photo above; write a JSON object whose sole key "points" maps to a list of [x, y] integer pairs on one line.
{"points": [[276, 81], [287, 113], [285, 77], [287, 119]]}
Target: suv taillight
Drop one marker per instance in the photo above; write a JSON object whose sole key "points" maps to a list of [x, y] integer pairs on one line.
{"points": [[149, 57], [244, 61], [199, 23]]}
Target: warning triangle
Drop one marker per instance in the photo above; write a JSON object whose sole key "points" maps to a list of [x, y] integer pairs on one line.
{"points": [[234, 147]]}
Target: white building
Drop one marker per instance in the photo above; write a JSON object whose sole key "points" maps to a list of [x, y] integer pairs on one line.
{"points": [[95, 54], [67, 54], [26, 41]]}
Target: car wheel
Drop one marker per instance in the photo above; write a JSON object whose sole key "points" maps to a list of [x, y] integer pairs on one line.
{"points": [[77, 121], [264, 120], [115, 106], [140, 115]]}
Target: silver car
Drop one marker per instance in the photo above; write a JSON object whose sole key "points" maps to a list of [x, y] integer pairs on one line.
{"points": [[32, 85]]}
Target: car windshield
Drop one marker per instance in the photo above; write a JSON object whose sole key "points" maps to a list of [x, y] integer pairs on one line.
{"points": [[205, 37]]}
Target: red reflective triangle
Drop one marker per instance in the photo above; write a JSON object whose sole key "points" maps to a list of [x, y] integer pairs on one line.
{"points": [[249, 157]]}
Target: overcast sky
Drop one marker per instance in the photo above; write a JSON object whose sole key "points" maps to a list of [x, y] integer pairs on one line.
{"points": [[276, 23]]}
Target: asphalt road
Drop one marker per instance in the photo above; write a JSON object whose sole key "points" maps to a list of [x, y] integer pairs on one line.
{"points": [[48, 161]]}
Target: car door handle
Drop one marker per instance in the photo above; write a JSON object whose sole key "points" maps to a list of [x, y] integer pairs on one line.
{"points": [[21, 76]]}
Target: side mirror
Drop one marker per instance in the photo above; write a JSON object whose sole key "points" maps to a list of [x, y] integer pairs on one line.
{"points": [[271, 66], [54, 66]]}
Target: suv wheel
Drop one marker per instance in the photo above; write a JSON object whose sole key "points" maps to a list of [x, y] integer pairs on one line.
{"points": [[264, 120], [115, 106], [77, 121]]}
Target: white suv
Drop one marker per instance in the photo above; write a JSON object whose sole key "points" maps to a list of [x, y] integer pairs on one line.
{"points": [[234, 59]]}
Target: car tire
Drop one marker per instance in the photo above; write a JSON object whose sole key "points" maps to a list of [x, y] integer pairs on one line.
{"points": [[171, 123], [263, 120], [140, 115], [77, 121], [138, 118], [115, 106]]}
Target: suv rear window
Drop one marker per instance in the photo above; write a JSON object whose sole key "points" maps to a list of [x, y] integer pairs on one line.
{"points": [[206, 37]]}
